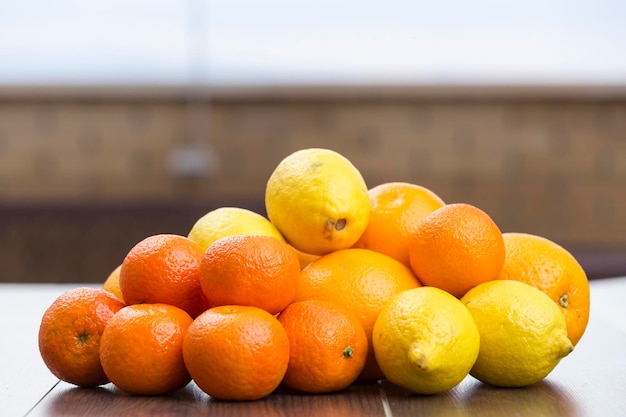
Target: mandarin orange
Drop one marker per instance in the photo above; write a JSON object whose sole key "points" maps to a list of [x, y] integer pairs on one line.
{"points": [[397, 208], [252, 270], [164, 268], [141, 349], [328, 346], [362, 281], [544, 264], [457, 247], [236, 352], [70, 335]]}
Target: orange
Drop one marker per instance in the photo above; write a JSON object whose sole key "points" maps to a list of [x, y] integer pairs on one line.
{"points": [[397, 208], [362, 281], [142, 349], [236, 352], [70, 333], [327, 346], [112, 283], [164, 268], [252, 270], [549, 267], [457, 247]]}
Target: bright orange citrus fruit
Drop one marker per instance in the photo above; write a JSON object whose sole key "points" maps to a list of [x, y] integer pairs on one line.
{"points": [[236, 352], [141, 349], [164, 268], [457, 247], [328, 346], [252, 270], [70, 334], [397, 208]]}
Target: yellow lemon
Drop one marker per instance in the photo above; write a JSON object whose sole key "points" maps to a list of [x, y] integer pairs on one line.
{"points": [[425, 340], [230, 221], [112, 283], [318, 200], [523, 334]]}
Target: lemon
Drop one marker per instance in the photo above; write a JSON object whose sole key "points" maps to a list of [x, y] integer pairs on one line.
{"points": [[318, 200], [523, 334], [425, 340], [230, 221]]}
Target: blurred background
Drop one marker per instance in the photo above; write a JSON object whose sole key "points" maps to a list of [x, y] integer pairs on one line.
{"points": [[119, 120]]}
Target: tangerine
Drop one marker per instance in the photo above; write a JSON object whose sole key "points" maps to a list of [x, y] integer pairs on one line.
{"points": [[328, 346], [397, 208], [252, 270], [141, 349], [457, 247], [164, 268], [70, 335], [236, 352]]}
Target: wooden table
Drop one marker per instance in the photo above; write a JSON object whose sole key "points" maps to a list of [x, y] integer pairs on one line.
{"points": [[589, 382]]}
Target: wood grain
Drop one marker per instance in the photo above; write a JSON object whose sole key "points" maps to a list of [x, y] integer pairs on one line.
{"points": [[472, 398], [66, 400]]}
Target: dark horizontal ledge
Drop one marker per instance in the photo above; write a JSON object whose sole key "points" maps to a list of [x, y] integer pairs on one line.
{"points": [[288, 92]]}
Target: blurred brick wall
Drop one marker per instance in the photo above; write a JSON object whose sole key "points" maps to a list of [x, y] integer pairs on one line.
{"points": [[83, 178]]}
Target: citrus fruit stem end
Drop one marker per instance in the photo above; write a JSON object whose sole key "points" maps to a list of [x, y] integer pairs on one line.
{"points": [[348, 352]]}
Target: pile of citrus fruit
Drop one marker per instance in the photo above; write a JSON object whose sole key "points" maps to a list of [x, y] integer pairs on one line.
{"points": [[338, 284]]}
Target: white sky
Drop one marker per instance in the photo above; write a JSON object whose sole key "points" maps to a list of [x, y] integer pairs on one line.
{"points": [[324, 41]]}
